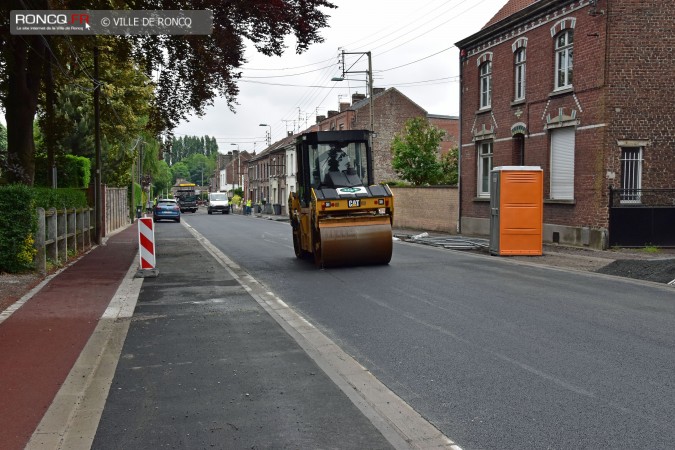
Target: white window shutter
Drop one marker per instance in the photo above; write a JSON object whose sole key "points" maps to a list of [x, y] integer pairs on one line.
{"points": [[562, 164]]}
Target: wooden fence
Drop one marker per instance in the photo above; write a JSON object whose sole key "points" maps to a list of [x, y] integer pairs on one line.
{"points": [[116, 209]]}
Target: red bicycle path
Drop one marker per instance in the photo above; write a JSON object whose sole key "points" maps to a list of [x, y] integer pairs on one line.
{"points": [[40, 341]]}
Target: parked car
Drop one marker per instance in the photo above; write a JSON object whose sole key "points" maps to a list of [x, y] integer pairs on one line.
{"points": [[218, 202], [166, 208]]}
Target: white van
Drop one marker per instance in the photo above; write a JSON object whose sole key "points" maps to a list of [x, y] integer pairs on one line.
{"points": [[218, 203]]}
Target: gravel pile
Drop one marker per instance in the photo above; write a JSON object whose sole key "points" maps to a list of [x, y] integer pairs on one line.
{"points": [[658, 270]]}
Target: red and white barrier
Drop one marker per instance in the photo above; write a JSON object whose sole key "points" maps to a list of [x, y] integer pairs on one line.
{"points": [[146, 242]]}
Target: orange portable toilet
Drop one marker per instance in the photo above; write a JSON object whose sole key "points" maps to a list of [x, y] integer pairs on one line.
{"points": [[516, 210]]}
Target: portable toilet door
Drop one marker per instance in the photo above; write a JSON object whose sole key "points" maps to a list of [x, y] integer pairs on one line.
{"points": [[494, 211], [516, 210]]}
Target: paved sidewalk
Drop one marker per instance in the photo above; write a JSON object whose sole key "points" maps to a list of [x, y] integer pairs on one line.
{"points": [[42, 339]]}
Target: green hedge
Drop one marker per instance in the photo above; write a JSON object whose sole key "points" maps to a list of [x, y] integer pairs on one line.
{"points": [[18, 221], [18, 224], [72, 171], [60, 198]]}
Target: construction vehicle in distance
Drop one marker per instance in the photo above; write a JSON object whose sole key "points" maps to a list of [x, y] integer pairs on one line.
{"points": [[186, 195], [338, 215]]}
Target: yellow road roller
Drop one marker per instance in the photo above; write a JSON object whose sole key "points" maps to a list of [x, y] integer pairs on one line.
{"points": [[338, 215]]}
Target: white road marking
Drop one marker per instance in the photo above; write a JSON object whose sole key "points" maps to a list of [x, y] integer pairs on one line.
{"points": [[398, 422]]}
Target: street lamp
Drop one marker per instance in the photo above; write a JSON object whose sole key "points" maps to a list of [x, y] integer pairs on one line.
{"points": [[269, 134], [238, 163]]}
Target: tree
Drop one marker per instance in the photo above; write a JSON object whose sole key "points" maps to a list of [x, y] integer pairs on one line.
{"points": [[415, 152], [3, 148], [191, 70], [200, 167], [21, 70], [450, 167], [162, 178], [179, 170], [126, 95]]}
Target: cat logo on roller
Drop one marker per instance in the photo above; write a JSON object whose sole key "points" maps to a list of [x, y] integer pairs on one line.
{"points": [[338, 215]]}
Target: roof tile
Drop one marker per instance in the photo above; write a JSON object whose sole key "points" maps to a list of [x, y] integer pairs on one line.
{"points": [[511, 7]]}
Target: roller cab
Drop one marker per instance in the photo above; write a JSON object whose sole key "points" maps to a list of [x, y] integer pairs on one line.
{"points": [[339, 217]]}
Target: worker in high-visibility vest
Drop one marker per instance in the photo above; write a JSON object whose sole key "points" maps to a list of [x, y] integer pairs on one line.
{"points": [[248, 206]]}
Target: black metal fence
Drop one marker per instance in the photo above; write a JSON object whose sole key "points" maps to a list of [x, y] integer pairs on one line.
{"points": [[642, 217]]}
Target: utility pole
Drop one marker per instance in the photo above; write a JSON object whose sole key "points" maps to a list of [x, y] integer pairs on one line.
{"points": [[97, 139], [369, 72]]}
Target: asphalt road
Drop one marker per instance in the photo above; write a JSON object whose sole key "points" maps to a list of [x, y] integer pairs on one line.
{"points": [[205, 366], [495, 353]]}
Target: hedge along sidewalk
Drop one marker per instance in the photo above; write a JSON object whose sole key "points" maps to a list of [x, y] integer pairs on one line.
{"points": [[18, 221]]}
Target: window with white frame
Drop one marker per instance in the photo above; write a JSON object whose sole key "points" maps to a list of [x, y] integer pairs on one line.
{"points": [[631, 174], [562, 163], [564, 56], [519, 59], [484, 168], [486, 84]]}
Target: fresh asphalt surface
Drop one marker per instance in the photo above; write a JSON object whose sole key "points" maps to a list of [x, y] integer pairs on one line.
{"points": [[495, 353], [205, 366]]}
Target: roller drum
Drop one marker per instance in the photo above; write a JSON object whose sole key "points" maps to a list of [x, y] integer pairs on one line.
{"points": [[356, 244]]}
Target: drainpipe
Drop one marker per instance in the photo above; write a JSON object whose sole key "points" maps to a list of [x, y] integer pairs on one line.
{"points": [[459, 147]]}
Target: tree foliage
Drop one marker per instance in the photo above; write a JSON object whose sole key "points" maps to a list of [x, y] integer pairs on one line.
{"points": [[186, 146], [450, 167], [416, 153], [179, 170], [162, 178], [188, 72], [3, 150]]}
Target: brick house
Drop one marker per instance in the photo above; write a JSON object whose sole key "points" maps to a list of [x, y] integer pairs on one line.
{"points": [[229, 171], [582, 89], [391, 110]]}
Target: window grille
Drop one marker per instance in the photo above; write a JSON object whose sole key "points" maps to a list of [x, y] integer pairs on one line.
{"points": [[631, 174]]}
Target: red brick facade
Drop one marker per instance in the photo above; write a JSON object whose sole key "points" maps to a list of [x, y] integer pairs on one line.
{"points": [[620, 96], [391, 109]]}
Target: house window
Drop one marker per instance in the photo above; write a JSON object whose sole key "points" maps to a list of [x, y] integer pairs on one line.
{"points": [[520, 74], [519, 150], [486, 84], [564, 52], [484, 168], [562, 163], [631, 174]]}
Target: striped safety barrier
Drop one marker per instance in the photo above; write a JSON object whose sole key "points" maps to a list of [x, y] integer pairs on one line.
{"points": [[146, 242]]}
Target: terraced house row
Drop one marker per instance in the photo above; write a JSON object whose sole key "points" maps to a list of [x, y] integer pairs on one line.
{"points": [[584, 89]]}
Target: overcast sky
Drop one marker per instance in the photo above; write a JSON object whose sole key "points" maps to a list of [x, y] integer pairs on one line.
{"points": [[412, 46]]}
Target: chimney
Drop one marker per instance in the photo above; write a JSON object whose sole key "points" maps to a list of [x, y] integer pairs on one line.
{"points": [[344, 106], [357, 97], [332, 113], [290, 133], [378, 90], [320, 119]]}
